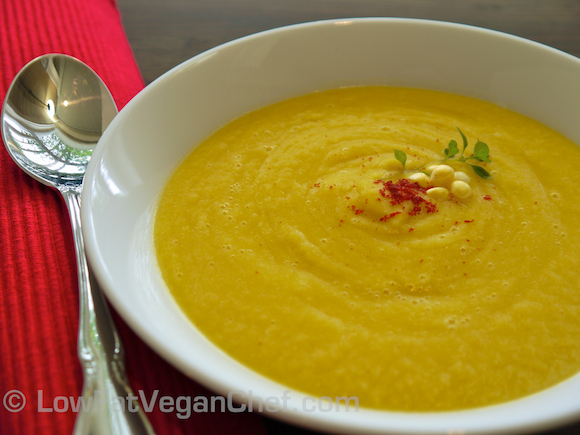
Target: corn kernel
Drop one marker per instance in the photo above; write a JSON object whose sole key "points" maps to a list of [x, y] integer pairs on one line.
{"points": [[462, 176], [420, 178], [442, 175], [438, 193], [461, 189]]}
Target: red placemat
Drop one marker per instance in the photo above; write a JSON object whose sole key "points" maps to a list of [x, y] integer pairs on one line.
{"points": [[38, 281]]}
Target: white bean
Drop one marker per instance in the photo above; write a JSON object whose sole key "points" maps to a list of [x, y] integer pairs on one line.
{"points": [[462, 176], [460, 189], [438, 193], [442, 175], [420, 178]]}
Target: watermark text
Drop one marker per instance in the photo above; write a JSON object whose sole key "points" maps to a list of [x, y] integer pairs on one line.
{"points": [[182, 406]]}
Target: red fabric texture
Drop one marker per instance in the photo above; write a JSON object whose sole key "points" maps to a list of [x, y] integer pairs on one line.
{"points": [[38, 280]]}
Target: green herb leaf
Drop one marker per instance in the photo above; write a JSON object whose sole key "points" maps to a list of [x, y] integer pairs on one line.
{"points": [[481, 152], [480, 171], [464, 140], [401, 157], [451, 149]]}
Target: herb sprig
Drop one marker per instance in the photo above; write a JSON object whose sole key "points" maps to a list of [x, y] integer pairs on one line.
{"points": [[480, 153], [401, 157]]}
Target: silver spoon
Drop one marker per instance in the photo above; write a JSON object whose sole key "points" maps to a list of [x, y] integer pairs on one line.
{"points": [[53, 116]]}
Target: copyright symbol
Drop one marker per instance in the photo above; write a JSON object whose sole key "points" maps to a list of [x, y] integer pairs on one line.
{"points": [[14, 401]]}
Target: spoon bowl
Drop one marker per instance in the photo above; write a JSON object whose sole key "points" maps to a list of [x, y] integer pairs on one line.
{"points": [[54, 114], [45, 124]]}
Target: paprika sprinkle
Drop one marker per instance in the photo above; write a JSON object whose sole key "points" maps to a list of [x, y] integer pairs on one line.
{"points": [[406, 190]]}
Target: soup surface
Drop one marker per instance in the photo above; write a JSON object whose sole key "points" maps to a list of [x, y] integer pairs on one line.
{"points": [[290, 241]]}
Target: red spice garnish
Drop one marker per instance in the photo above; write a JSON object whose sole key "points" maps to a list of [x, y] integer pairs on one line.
{"points": [[411, 229], [356, 210], [468, 222], [387, 217], [406, 190], [487, 197]]}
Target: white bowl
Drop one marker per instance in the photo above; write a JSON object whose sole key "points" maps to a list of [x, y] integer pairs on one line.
{"points": [[158, 128]]}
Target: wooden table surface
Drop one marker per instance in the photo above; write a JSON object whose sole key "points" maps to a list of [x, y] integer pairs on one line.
{"points": [[164, 33]]}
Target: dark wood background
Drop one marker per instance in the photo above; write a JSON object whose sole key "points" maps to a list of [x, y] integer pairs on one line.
{"points": [[164, 33]]}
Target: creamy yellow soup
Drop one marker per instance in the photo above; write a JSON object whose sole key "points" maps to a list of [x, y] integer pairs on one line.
{"points": [[290, 241]]}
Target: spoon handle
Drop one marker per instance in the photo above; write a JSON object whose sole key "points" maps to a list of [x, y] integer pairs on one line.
{"points": [[108, 405]]}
